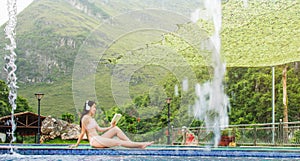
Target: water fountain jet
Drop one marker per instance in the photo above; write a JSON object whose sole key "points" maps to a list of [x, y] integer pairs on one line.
{"points": [[211, 103], [10, 66]]}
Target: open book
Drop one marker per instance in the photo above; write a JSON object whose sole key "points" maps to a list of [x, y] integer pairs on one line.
{"points": [[116, 118]]}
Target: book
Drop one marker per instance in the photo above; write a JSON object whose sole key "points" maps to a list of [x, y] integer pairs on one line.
{"points": [[116, 118]]}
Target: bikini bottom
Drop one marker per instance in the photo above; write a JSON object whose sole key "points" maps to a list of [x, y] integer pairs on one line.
{"points": [[95, 139]]}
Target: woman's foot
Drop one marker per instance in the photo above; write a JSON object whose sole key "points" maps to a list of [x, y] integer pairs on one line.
{"points": [[147, 144]]}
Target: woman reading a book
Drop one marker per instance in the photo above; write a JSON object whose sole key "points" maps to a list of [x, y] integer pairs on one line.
{"points": [[90, 127]]}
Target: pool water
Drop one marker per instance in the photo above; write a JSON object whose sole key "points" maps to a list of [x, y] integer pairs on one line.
{"points": [[18, 157], [152, 153]]}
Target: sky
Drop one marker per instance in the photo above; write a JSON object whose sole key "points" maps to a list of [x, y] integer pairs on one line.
{"points": [[21, 4]]}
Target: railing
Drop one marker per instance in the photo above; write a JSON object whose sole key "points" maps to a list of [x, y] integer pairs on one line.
{"points": [[278, 134]]}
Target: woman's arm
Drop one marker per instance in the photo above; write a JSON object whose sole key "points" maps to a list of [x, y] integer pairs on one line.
{"points": [[104, 128], [80, 136], [83, 131]]}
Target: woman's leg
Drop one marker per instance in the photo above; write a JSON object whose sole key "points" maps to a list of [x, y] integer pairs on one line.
{"points": [[102, 142], [115, 131], [130, 144]]}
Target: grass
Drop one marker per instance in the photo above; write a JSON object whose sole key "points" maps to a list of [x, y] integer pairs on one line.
{"points": [[57, 100], [60, 141]]}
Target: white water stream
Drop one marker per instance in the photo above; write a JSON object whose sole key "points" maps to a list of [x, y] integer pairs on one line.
{"points": [[10, 66], [211, 104]]}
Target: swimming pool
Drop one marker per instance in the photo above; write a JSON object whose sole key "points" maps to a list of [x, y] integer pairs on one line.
{"points": [[154, 152]]}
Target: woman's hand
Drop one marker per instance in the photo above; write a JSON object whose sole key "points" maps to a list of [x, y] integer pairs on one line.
{"points": [[113, 124]]}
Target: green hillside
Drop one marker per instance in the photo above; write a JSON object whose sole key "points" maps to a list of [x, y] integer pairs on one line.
{"points": [[73, 54], [266, 33]]}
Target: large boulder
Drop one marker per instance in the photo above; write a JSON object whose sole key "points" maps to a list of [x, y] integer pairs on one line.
{"points": [[52, 128]]}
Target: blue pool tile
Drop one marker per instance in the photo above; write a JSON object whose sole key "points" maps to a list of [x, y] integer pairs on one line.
{"points": [[86, 150]]}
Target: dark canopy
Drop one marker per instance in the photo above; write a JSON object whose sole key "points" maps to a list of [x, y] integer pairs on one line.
{"points": [[27, 123]]}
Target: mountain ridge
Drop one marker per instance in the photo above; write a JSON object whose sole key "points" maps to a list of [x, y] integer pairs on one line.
{"points": [[51, 34]]}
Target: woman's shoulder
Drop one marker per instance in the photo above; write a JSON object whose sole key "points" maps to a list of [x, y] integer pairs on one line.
{"points": [[86, 117]]}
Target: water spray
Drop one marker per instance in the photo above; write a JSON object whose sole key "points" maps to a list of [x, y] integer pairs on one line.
{"points": [[211, 103], [10, 66]]}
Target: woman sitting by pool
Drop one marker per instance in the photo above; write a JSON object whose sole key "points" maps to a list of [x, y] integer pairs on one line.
{"points": [[90, 127]]}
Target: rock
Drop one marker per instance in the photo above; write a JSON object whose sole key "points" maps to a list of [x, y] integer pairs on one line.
{"points": [[52, 128], [72, 132]]}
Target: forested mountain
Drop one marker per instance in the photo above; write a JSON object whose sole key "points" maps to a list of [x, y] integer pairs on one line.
{"points": [[50, 34], [119, 51]]}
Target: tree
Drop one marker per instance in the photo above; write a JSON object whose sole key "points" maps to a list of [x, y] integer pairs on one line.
{"points": [[68, 117], [285, 102], [250, 92], [5, 107]]}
